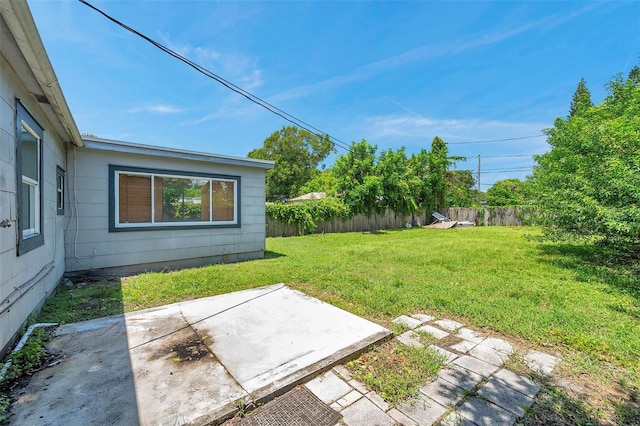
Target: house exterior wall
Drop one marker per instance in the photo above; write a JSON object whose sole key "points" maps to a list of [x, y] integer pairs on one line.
{"points": [[26, 280], [90, 245]]}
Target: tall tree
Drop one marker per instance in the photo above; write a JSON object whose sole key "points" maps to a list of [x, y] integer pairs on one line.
{"points": [[395, 180], [588, 184], [297, 154], [358, 182], [581, 100], [460, 192], [438, 164], [325, 181], [509, 192]]}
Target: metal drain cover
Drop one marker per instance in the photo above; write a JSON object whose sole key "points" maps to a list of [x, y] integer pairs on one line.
{"points": [[298, 407]]}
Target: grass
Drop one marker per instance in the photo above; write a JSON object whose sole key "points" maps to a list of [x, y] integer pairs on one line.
{"points": [[27, 360], [579, 300], [396, 371]]}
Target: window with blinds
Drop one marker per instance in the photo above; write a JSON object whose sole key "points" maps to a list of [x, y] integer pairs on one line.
{"points": [[149, 199]]}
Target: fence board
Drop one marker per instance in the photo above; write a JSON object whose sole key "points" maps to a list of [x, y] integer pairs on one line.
{"points": [[491, 216]]}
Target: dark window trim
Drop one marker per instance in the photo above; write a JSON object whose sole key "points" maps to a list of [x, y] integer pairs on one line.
{"points": [[31, 243], [113, 202], [62, 173]]}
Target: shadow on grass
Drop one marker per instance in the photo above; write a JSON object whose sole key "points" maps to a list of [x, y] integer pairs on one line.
{"points": [[618, 267], [555, 406], [377, 232], [268, 254]]}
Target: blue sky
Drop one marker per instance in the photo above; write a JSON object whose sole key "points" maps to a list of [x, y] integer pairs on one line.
{"points": [[394, 73]]}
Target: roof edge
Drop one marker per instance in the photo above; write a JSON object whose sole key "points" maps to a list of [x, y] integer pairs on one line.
{"points": [[160, 151], [41, 66]]}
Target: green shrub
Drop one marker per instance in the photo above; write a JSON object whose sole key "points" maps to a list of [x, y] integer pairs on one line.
{"points": [[304, 216]]}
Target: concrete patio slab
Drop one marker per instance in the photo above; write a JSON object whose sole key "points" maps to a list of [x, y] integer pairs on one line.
{"points": [[189, 363]]}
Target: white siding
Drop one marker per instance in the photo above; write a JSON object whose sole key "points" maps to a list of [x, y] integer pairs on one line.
{"points": [[47, 261], [90, 245]]}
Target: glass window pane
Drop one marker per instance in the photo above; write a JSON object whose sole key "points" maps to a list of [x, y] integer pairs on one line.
{"points": [[28, 210], [29, 154], [180, 199], [134, 199], [223, 200], [59, 191]]}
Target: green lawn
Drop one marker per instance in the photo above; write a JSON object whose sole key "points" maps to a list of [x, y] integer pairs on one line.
{"points": [[555, 296]]}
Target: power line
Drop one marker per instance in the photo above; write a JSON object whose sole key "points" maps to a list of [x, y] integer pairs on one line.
{"points": [[507, 171], [510, 156], [492, 140], [251, 97]]}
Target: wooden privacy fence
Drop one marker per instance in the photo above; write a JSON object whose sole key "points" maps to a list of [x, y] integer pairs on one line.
{"points": [[358, 223], [491, 216]]}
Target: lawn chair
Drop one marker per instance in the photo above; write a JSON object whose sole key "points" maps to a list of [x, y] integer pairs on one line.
{"points": [[440, 218]]}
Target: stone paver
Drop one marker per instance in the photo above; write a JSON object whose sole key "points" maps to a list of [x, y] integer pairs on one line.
{"points": [[460, 377], [408, 321], [425, 412], [401, 418], [377, 399], [435, 332], [483, 412], [422, 317], [470, 335], [448, 356], [517, 382], [541, 362], [358, 385], [328, 387], [443, 392], [456, 419], [342, 371], [476, 365], [349, 398], [488, 354], [410, 338], [499, 345], [365, 413], [505, 397], [501, 395], [464, 346], [448, 324]]}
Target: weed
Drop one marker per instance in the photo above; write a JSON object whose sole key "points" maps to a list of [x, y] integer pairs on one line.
{"points": [[243, 407], [395, 371], [398, 328], [23, 362]]}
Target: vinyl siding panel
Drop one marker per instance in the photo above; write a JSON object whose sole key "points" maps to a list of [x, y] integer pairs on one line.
{"points": [[95, 247]]}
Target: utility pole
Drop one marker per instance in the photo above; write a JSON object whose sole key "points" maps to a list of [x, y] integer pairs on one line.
{"points": [[478, 176]]}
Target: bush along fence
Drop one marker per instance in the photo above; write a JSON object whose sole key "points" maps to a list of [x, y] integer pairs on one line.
{"points": [[331, 216]]}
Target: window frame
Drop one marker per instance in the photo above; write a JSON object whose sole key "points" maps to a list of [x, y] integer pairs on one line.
{"points": [[60, 186], [115, 226], [29, 242]]}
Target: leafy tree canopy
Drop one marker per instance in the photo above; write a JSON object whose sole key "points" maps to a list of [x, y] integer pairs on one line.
{"points": [[325, 181], [509, 192], [460, 192], [369, 183], [588, 184], [297, 154], [358, 182], [581, 101]]}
